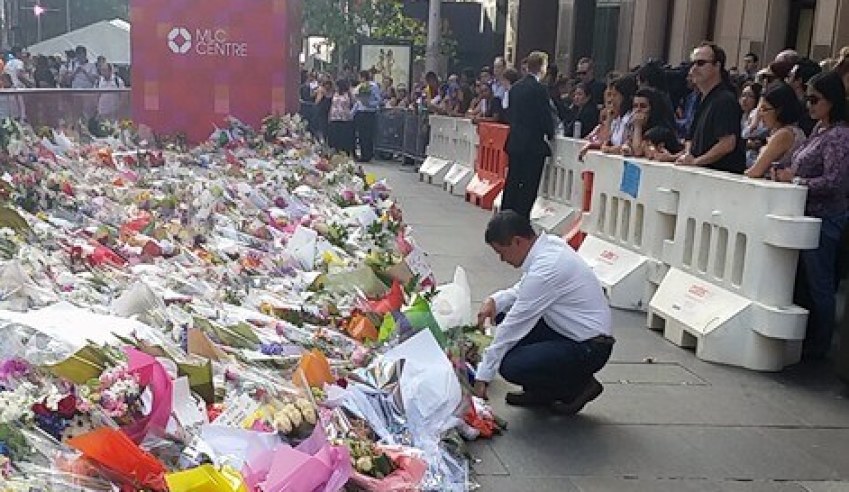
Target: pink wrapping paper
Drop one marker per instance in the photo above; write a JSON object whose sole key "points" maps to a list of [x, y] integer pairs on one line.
{"points": [[314, 465], [152, 375], [406, 478]]}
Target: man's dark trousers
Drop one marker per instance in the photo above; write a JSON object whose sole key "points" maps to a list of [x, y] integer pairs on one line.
{"points": [[364, 124], [522, 185], [547, 362]]}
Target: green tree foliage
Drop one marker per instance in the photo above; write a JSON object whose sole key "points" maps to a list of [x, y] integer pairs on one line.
{"points": [[345, 22], [54, 20]]}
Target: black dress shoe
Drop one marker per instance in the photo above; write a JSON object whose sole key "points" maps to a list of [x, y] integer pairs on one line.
{"points": [[528, 399], [590, 392]]}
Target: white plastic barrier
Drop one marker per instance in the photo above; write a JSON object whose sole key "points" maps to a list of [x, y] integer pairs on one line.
{"points": [[626, 227], [561, 188], [463, 166], [729, 291], [714, 255], [441, 149]]}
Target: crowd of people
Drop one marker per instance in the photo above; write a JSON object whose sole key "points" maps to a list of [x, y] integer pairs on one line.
{"points": [[785, 121], [73, 70]]}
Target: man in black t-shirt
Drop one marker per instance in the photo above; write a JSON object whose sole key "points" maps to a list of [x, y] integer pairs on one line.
{"points": [[713, 140]]}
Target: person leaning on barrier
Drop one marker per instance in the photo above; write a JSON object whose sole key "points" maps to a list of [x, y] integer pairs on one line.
{"points": [[714, 139], [779, 110], [621, 126], [489, 107], [556, 332], [581, 113], [650, 112], [820, 164]]}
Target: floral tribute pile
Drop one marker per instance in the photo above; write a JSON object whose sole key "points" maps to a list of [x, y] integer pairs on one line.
{"points": [[250, 314]]}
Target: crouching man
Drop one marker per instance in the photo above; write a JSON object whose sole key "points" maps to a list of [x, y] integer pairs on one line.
{"points": [[554, 325]]}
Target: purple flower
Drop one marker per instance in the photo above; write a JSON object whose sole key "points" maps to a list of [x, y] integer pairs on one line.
{"points": [[277, 348], [13, 369]]}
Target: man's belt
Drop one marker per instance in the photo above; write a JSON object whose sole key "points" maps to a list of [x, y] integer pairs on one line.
{"points": [[603, 340]]}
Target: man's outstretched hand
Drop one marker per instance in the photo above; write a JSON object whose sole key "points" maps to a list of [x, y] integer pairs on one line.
{"points": [[487, 311]]}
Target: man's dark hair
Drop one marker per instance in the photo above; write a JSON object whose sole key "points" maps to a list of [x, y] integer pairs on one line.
{"points": [[753, 56], [81, 51], [718, 53], [16, 51], [652, 74], [343, 86], [506, 225], [806, 69], [511, 75], [830, 85], [783, 98], [365, 74], [432, 76]]}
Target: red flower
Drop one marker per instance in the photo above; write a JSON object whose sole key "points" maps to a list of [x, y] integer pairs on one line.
{"points": [[342, 383], [67, 407], [40, 409]]}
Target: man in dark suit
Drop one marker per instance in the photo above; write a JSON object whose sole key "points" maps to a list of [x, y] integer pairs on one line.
{"points": [[531, 121]]}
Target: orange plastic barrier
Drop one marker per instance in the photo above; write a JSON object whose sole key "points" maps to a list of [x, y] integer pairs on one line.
{"points": [[490, 165], [574, 235]]}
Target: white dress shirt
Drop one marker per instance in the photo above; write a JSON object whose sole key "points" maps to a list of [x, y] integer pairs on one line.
{"points": [[557, 286]]}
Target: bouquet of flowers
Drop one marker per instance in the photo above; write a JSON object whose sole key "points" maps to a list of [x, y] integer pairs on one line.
{"points": [[117, 391]]}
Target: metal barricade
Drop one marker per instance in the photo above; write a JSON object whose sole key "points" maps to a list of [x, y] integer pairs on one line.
{"points": [[390, 130], [55, 107], [416, 135]]}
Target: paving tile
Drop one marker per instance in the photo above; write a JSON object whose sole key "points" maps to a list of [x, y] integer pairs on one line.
{"points": [[824, 447], [516, 484], [671, 374], [486, 462], [641, 484], [824, 486]]}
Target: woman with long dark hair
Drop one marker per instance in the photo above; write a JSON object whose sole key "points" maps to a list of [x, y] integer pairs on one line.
{"points": [[820, 165], [779, 110]]}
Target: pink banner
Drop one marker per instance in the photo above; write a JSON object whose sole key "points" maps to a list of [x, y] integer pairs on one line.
{"points": [[195, 63]]}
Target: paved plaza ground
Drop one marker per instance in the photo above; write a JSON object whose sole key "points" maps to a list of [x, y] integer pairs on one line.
{"points": [[678, 424]]}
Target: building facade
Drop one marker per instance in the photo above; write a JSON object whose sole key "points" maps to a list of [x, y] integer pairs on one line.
{"points": [[620, 34]]}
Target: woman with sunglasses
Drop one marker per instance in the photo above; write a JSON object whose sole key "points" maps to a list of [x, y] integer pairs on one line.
{"points": [[779, 110], [820, 164]]}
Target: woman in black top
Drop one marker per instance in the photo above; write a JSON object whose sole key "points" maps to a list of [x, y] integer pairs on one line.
{"points": [[582, 111]]}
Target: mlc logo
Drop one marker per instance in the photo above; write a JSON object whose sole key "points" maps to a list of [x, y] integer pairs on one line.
{"points": [[179, 40]]}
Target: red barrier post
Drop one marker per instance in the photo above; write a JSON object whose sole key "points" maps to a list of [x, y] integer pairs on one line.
{"points": [[490, 165]]}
